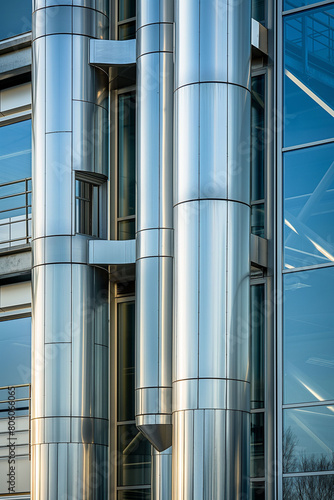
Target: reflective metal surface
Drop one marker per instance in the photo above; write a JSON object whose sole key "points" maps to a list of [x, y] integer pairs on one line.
{"points": [[154, 269], [69, 317], [161, 475], [211, 390]]}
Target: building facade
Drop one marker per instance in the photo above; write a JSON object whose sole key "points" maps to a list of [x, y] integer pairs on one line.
{"points": [[166, 250]]}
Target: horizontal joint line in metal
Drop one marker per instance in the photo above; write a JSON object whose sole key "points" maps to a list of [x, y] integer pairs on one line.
{"points": [[211, 81]]}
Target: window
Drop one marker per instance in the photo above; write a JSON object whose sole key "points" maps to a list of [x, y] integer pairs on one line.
{"points": [[15, 183], [15, 18], [308, 76], [15, 378], [126, 165], [258, 155], [126, 19], [134, 451], [87, 207]]}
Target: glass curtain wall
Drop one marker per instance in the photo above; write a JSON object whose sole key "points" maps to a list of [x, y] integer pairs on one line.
{"points": [[258, 290], [307, 419], [15, 183], [126, 19], [126, 173], [15, 379], [258, 156], [15, 18], [133, 450]]}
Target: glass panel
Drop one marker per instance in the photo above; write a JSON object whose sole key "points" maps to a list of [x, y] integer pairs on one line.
{"points": [[293, 4], [127, 31], [15, 351], [309, 206], [126, 154], [15, 18], [257, 328], [308, 439], [134, 495], [87, 208], [258, 138], [308, 488], [134, 452], [308, 336], [258, 12], [257, 491], [309, 76], [126, 9], [257, 219], [15, 149], [257, 445], [126, 361], [126, 229]]}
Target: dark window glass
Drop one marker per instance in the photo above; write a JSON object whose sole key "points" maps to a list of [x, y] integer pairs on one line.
{"points": [[258, 137], [127, 31], [308, 336], [134, 454], [257, 490], [308, 488], [309, 76], [258, 11], [15, 151], [293, 4], [309, 206], [308, 439], [15, 352], [126, 9], [134, 495], [126, 229], [15, 18], [126, 361], [257, 328], [257, 445], [257, 219], [87, 208], [126, 154]]}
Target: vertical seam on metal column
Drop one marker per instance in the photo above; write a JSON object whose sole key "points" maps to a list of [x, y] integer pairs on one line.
{"points": [[160, 164], [198, 203]]}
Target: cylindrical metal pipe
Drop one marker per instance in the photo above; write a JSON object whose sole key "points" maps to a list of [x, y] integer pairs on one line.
{"points": [[154, 264], [69, 310], [161, 475], [212, 260]]}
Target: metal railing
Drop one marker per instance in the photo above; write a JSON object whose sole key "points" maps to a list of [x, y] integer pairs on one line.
{"points": [[15, 213], [15, 439]]}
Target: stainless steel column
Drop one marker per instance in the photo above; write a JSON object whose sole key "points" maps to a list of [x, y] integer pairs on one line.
{"points": [[212, 261], [154, 264], [70, 312], [161, 475]]}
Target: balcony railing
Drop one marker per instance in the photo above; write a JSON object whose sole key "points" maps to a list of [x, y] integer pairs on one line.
{"points": [[15, 432], [15, 213]]}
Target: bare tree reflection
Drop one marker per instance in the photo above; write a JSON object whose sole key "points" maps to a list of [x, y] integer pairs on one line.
{"points": [[313, 487]]}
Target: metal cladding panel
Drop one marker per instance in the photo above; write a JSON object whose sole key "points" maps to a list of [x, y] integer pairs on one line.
{"points": [[58, 86], [187, 116], [148, 132], [161, 475], [212, 282], [186, 291], [58, 184], [38, 137], [238, 271]]}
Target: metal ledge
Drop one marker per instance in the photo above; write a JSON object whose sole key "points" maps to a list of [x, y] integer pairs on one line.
{"points": [[259, 251], [109, 252], [112, 53], [259, 39]]}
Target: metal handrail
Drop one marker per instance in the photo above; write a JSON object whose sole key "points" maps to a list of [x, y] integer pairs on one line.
{"points": [[10, 220]]}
